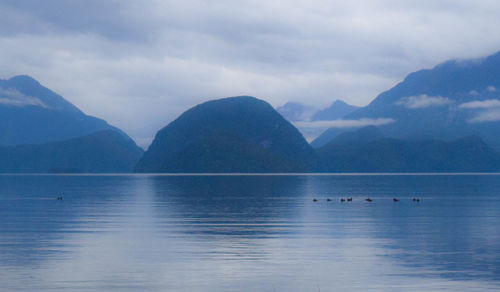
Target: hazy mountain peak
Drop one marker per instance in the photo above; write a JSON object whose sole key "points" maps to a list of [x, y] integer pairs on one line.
{"points": [[454, 99], [338, 102], [23, 79], [23, 90], [30, 113], [337, 110], [454, 79], [295, 111]]}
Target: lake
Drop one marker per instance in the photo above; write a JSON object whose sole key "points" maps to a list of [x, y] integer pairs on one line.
{"points": [[249, 233]]}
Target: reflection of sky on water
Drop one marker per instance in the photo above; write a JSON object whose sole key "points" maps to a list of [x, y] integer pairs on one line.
{"points": [[249, 233]]}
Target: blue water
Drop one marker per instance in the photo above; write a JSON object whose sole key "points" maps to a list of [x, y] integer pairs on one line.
{"points": [[249, 233]]}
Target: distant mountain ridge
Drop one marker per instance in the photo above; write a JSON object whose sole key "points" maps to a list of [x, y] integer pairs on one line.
{"points": [[295, 111], [445, 119], [42, 132], [236, 134], [103, 152], [361, 136], [337, 110], [298, 112], [308, 120], [366, 150], [28, 92], [455, 99], [33, 114]]}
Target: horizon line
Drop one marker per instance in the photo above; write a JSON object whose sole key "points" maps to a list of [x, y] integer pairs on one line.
{"points": [[266, 174]]}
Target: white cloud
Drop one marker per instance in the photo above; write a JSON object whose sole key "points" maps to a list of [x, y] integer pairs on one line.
{"points": [[423, 101], [491, 89], [483, 110], [489, 103], [345, 123], [492, 115], [13, 97], [474, 93]]}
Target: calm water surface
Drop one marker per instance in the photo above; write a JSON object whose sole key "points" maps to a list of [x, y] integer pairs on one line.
{"points": [[249, 233]]}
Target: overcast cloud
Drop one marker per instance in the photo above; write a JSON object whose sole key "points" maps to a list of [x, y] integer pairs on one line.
{"points": [[139, 64]]}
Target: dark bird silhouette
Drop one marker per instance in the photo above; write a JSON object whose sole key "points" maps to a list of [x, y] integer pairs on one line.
{"points": [[416, 200], [328, 200], [59, 198], [369, 200], [395, 200], [349, 200], [342, 200], [314, 200]]}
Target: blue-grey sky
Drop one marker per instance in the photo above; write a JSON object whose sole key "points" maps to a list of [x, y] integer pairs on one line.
{"points": [[139, 64]]}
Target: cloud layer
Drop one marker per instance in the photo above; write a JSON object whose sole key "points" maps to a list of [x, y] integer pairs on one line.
{"points": [[483, 110], [423, 101], [492, 115], [13, 97], [489, 103], [346, 123], [139, 64]]}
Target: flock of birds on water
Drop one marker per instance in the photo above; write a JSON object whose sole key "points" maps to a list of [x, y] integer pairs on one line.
{"points": [[342, 200]]}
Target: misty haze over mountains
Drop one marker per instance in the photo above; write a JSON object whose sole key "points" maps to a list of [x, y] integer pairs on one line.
{"points": [[40, 131], [454, 99], [441, 119], [32, 114], [313, 122]]}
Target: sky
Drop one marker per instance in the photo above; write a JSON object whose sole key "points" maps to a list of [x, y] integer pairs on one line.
{"points": [[140, 64]]}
